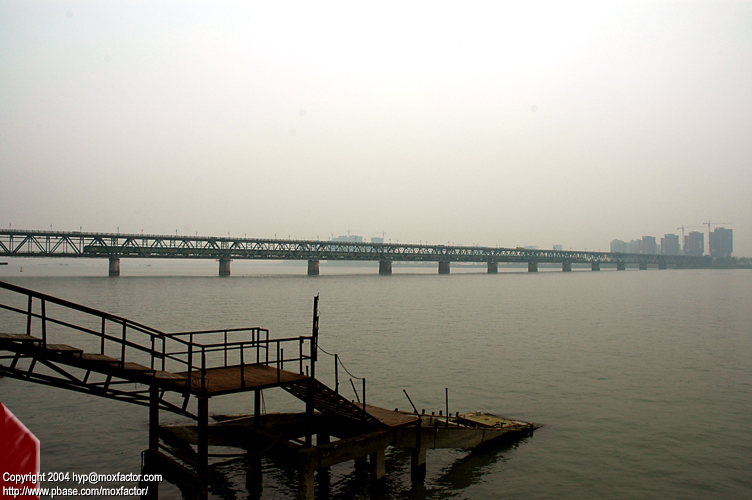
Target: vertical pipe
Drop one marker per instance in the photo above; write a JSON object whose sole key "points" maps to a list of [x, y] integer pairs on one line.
{"points": [[257, 407], [101, 348], [315, 336], [336, 374], [203, 434], [310, 395], [446, 399], [153, 417]]}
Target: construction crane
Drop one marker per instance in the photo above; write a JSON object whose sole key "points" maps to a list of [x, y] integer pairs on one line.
{"points": [[683, 244], [708, 223], [687, 227]]}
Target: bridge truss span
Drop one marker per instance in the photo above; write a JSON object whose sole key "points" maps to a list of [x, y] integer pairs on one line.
{"points": [[76, 244]]}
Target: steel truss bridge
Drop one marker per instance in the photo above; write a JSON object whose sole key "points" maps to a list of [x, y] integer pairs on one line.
{"points": [[114, 246]]}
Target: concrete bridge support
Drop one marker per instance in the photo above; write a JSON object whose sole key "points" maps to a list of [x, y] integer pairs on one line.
{"points": [[444, 267], [595, 266], [532, 267], [643, 266], [224, 267], [313, 268], [493, 267], [566, 266], [621, 266], [385, 267], [378, 465], [114, 266]]}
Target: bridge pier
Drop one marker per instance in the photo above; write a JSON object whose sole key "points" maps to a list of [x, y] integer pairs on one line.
{"points": [[444, 267], [643, 266], [224, 267], [532, 267], [621, 266], [493, 267], [566, 267], [595, 266], [114, 266], [313, 268], [385, 267]]}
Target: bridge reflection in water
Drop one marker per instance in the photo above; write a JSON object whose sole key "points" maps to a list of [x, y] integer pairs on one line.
{"points": [[114, 246]]}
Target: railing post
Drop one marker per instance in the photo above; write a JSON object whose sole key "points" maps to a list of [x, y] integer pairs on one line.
{"points": [[336, 373], [226, 348], [101, 347], [28, 318], [44, 322], [242, 367], [279, 368], [301, 354], [190, 356], [364, 395], [122, 350], [203, 369], [257, 338]]}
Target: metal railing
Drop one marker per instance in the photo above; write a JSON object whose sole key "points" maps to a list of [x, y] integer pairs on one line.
{"points": [[187, 351]]}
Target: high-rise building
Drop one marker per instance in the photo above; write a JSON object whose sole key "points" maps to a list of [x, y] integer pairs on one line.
{"points": [[670, 244], [647, 245], [721, 243], [618, 246], [694, 244]]}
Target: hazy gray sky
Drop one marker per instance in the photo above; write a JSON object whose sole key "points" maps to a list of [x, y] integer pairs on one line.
{"points": [[488, 123]]}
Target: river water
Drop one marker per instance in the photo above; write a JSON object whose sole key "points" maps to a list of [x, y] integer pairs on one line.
{"points": [[643, 379]]}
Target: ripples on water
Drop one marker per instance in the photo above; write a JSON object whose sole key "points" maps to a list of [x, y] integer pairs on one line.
{"points": [[643, 378]]}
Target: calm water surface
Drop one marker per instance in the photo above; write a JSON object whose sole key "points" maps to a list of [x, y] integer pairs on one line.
{"points": [[643, 379]]}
